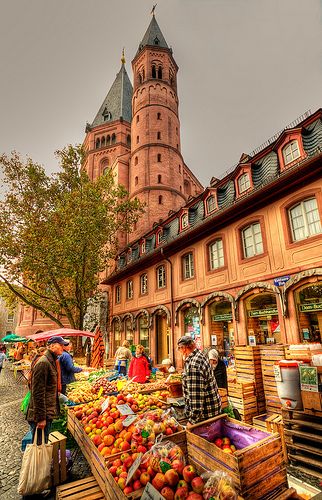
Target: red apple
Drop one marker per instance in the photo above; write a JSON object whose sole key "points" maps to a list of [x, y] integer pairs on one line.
{"points": [[137, 484], [197, 484], [189, 472], [127, 490], [128, 462], [178, 465], [121, 482], [158, 481], [194, 496], [171, 477], [218, 442], [167, 493], [112, 470], [181, 493], [144, 478]]}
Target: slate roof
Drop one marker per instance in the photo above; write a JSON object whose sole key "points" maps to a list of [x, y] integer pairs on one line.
{"points": [[153, 36], [118, 102]]}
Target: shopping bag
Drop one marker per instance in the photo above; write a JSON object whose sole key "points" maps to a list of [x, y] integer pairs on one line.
{"points": [[25, 403], [35, 471]]}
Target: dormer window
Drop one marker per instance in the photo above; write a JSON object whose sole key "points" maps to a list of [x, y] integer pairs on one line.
{"points": [[184, 221], [291, 152], [129, 256], [243, 183], [107, 115], [211, 204], [156, 41], [143, 247], [159, 236]]}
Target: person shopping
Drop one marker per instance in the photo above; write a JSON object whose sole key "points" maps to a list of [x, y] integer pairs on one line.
{"points": [[67, 368], [219, 368], [123, 357], [139, 366]]}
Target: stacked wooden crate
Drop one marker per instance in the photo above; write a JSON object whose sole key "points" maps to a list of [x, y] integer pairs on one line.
{"points": [[270, 354], [248, 367], [242, 396]]}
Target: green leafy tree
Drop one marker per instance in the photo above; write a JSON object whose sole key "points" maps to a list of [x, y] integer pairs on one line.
{"points": [[58, 233]]}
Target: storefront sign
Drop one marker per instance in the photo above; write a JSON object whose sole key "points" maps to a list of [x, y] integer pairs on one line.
{"points": [[272, 311], [309, 378], [281, 280], [315, 306], [222, 317], [214, 340]]}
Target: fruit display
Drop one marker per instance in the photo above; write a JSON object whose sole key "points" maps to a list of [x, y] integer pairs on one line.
{"points": [[179, 483], [96, 374], [219, 487], [130, 387], [141, 403], [80, 392], [107, 385], [174, 378], [225, 444], [149, 426]]}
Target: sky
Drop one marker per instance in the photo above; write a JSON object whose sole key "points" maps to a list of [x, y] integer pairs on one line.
{"points": [[247, 69]]}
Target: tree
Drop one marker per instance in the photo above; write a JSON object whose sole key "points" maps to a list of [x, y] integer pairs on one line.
{"points": [[58, 232]]}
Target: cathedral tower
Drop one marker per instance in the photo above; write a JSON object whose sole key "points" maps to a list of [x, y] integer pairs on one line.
{"points": [[158, 175]]}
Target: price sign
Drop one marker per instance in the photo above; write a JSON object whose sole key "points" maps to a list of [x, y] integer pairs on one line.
{"points": [[129, 420], [150, 493], [125, 409], [105, 404], [134, 467]]}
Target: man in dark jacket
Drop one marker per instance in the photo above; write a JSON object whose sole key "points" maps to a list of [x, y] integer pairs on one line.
{"points": [[67, 368], [45, 387]]}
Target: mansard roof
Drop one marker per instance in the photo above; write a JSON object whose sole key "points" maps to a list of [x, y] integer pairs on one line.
{"points": [[153, 36], [118, 102]]}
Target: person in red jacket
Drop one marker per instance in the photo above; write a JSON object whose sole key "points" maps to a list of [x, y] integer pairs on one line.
{"points": [[139, 366]]}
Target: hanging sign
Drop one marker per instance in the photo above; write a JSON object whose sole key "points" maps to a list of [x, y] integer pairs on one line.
{"points": [[214, 340], [252, 340]]}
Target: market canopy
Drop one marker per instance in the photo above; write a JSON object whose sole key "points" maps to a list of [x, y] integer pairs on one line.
{"points": [[61, 332], [13, 338]]}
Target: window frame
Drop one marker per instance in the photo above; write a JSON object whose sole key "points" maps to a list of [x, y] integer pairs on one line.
{"points": [[210, 257], [211, 196], [144, 284], [288, 145], [117, 294], [303, 215], [242, 232], [129, 289], [187, 258], [161, 279], [184, 216], [243, 188]]}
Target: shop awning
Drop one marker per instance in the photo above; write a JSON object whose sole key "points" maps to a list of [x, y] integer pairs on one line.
{"points": [[62, 332]]}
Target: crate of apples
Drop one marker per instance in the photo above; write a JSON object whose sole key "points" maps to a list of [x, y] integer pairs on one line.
{"points": [[225, 444]]}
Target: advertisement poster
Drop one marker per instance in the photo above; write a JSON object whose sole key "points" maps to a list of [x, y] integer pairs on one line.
{"points": [[309, 378]]}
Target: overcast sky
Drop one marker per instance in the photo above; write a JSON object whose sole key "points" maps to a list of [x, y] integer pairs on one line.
{"points": [[247, 68]]}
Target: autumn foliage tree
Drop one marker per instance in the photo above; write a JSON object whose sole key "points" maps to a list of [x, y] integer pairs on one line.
{"points": [[58, 232]]}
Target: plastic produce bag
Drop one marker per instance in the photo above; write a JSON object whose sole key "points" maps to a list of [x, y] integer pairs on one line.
{"points": [[25, 403], [218, 485], [162, 455], [35, 474]]}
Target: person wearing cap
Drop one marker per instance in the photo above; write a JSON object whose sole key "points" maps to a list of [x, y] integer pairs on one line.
{"points": [[200, 391], [45, 386], [219, 368], [67, 368]]}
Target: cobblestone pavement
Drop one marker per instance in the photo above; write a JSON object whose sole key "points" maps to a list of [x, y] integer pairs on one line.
{"points": [[13, 427]]}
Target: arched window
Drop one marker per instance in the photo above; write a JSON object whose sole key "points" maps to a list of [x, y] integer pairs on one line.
{"points": [[143, 74], [187, 187], [159, 135], [140, 78], [161, 277], [154, 72], [105, 170], [136, 180], [108, 140], [160, 199], [136, 160], [159, 157], [113, 138], [144, 284], [159, 179], [160, 73], [97, 143], [184, 221], [128, 140], [137, 139], [211, 203], [103, 141], [158, 116], [291, 152], [243, 183]]}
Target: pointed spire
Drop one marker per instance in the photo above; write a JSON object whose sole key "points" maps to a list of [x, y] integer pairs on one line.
{"points": [[118, 102], [153, 35]]}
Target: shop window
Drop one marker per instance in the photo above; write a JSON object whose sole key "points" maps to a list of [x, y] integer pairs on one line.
{"points": [[211, 204], [129, 289], [117, 335], [305, 219], [191, 319], [221, 326], [216, 254], [117, 294], [291, 152], [144, 284], [129, 333], [252, 240], [262, 319], [144, 332], [188, 266], [309, 309], [243, 183], [161, 277]]}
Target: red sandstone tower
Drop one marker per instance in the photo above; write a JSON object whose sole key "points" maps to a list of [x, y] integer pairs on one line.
{"points": [[157, 173]]}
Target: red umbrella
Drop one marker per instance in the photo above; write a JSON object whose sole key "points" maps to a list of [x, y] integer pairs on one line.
{"points": [[61, 332]]}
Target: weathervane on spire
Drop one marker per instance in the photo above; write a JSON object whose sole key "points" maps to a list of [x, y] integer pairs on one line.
{"points": [[153, 9], [123, 57]]}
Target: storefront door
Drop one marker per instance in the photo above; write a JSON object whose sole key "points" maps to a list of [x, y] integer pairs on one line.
{"points": [[191, 319], [163, 338], [262, 319], [221, 327]]}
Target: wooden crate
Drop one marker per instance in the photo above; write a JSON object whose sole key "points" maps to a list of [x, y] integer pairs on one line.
{"points": [[257, 470], [83, 489], [312, 402], [303, 354], [241, 394], [303, 438], [58, 442], [224, 397], [270, 354], [248, 366], [274, 423]]}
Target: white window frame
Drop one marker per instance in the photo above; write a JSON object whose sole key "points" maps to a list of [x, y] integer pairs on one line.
{"points": [[161, 277], [216, 254], [143, 247], [305, 221], [243, 182], [211, 203], [144, 284], [291, 152], [159, 236], [129, 289], [117, 294], [184, 221], [188, 266], [252, 240]]}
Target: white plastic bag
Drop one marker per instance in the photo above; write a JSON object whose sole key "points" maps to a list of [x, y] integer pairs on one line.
{"points": [[35, 474]]}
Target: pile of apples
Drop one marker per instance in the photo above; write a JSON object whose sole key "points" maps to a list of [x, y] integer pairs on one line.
{"points": [[179, 482], [141, 403], [225, 445], [149, 425], [108, 386]]}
